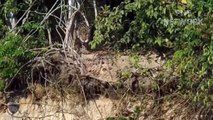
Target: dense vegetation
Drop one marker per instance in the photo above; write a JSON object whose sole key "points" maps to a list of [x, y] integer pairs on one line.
{"points": [[184, 28], [17, 45]]}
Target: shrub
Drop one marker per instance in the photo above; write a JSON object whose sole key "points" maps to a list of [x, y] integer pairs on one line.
{"points": [[150, 25], [15, 47], [184, 28]]}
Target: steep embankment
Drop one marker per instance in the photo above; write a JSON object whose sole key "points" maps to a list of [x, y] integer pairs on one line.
{"points": [[112, 85]]}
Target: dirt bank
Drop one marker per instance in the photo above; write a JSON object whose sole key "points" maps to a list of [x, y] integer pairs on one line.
{"points": [[113, 86]]}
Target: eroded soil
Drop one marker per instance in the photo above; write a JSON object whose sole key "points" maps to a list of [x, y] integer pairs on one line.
{"points": [[111, 90]]}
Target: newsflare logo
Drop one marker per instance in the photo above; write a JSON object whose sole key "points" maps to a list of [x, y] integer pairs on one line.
{"points": [[182, 21], [185, 21]]}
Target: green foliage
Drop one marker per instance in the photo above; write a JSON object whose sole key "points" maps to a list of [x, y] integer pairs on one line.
{"points": [[134, 59], [15, 48], [126, 74], [184, 28], [2, 84], [150, 26], [110, 118], [193, 58], [13, 53], [10, 6], [107, 26]]}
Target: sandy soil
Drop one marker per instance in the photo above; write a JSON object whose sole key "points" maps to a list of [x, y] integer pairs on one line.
{"points": [[104, 67]]}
